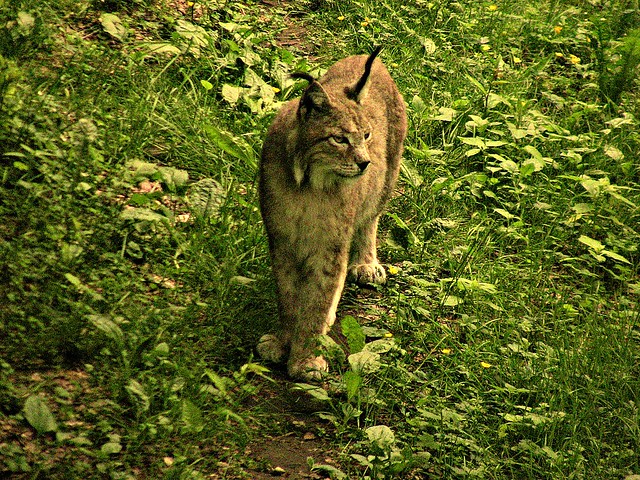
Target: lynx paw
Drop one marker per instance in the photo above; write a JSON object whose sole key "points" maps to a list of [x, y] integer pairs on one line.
{"points": [[367, 273], [270, 348], [310, 369]]}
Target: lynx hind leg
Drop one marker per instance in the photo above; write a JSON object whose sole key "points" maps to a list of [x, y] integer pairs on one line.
{"points": [[271, 348], [365, 268]]}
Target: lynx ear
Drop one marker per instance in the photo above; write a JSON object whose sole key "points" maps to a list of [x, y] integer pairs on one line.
{"points": [[359, 91], [314, 98]]}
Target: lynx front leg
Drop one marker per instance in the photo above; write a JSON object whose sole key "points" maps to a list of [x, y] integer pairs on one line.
{"points": [[308, 294], [320, 286], [365, 268]]}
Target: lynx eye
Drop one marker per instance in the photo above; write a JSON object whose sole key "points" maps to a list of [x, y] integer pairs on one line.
{"points": [[367, 135], [340, 140]]}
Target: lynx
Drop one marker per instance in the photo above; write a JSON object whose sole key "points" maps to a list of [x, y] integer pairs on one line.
{"points": [[329, 164]]}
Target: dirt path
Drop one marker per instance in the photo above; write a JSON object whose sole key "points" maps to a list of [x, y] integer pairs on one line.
{"points": [[289, 454]]}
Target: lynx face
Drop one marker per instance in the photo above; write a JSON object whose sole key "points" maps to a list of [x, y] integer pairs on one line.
{"points": [[339, 155], [336, 134]]}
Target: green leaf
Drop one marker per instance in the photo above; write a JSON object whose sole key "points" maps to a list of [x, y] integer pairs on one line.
{"points": [[192, 417], [330, 469], [149, 49], [193, 37], [137, 391], [537, 163], [489, 194], [446, 115], [622, 199], [478, 85], [381, 436], [595, 187], [161, 350], [207, 85], [39, 416], [474, 142], [428, 44], [464, 284], [111, 448], [229, 26], [374, 332], [591, 243], [231, 145], [21, 166], [113, 26], [106, 325], [256, 369], [205, 197], [527, 169], [174, 177], [493, 100], [382, 345], [219, 382], [619, 122], [533, 151], [418, 104], [328, 347], [315, 391], [504, 213], [73, 280], [143, 215], [232, 94], [362, 460], [26, 21], [452, 301], [517, 133], [616, 256], [510, 166], [138, 170], [139, 199], [353, 331], [472, 152], [352, 382], [364, 362]]}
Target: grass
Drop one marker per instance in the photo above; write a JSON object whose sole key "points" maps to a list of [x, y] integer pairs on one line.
{"points": [[134, 264]]}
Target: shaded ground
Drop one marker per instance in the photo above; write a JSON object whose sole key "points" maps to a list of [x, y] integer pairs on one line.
{"points": [[78, 408], [287, 456], [298, 441]]}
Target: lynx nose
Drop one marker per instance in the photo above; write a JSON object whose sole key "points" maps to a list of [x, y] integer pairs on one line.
{"points": [[363, 166]]}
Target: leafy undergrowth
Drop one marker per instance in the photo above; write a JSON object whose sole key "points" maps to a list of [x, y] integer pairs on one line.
{"points": [[135, 278]]}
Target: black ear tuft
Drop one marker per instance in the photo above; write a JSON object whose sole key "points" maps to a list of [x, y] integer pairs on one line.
{"points": [[303, 76], [358, 92]]}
